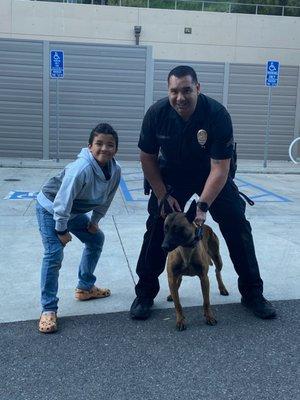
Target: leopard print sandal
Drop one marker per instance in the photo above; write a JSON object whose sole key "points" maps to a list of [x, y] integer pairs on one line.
{"points": [[93, 293], [48, 322]]}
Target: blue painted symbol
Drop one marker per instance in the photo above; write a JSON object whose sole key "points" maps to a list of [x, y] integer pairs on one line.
{"points": [[131, 185], [13, 195], [272, 73], [56, 64]]}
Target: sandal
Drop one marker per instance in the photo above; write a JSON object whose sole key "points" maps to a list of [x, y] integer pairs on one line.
{"points": [[93, 293], [48, 322]]}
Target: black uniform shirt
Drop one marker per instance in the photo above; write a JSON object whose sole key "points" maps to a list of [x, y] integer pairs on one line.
{"points": [[186, 147]]}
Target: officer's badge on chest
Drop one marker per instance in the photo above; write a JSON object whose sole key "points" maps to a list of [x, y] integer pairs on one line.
{"points": [[202, 137]]}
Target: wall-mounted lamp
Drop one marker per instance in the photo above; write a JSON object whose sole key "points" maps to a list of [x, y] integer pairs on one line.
{"points": [[137, 33]]}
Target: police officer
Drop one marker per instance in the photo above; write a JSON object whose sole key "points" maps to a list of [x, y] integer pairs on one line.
{"points": [[186, 145]]}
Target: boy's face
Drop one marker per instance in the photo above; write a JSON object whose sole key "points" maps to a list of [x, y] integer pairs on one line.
{"points": [[103, 148]]}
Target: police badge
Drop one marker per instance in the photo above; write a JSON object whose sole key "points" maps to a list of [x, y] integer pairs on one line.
{"points": [[202, 137]]}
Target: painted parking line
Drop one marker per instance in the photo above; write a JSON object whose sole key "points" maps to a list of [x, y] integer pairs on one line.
{"points": [[21, 195], [260, 194], [132, 188], [131, 185]]}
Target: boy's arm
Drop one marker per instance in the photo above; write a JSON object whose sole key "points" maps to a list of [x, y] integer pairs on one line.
{"points": [[63, 202], [100, 211]]}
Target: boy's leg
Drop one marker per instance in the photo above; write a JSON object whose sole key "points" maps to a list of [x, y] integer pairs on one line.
{"points": [[91, 253], [53, 256]]}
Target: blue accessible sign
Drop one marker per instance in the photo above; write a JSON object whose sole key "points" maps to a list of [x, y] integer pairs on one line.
{"points": [[56, 64], [272, 73], [14, 195]]}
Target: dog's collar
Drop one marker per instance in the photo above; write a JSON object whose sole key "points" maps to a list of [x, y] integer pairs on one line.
{"points": [[198, 236]]}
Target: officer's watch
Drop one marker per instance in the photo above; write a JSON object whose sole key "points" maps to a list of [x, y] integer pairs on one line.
{"points": [[202, 206]]}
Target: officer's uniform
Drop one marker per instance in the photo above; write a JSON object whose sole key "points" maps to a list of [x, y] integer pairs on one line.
{"points": [[185, 150]]}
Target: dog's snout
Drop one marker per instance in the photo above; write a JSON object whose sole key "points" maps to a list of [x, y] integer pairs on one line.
{"points": [[168, 246], [165, 247]]}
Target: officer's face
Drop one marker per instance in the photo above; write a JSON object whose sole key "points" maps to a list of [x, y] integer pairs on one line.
{"points": [[183, 95]]}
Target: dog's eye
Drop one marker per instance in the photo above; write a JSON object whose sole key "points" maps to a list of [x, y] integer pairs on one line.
{"points": [[178, 231]]}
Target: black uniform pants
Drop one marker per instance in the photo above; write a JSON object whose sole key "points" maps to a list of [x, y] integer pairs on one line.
{"points": [[228, 210]]}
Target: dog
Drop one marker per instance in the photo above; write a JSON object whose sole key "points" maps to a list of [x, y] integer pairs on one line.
{"points": [[191, 255]]}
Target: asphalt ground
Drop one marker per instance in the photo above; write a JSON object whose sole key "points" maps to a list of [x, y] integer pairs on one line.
{"points": [[100, 352], [111, 357]]}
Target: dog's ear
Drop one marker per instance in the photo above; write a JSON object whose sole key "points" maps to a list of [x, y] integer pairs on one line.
{"points": [[191, 212], [167, 208]]}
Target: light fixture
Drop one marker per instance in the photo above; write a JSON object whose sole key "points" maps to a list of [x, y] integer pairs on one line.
{"points": [[137, 33]]}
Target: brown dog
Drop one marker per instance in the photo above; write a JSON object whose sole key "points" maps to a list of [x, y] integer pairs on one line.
{"points": [[190, 256]]}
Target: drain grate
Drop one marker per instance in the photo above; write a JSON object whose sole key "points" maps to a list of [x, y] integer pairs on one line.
{"points": [[12, 180]]}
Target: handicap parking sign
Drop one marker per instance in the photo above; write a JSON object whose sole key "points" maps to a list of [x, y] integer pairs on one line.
{"points": [[272, 73], [56, 64]]}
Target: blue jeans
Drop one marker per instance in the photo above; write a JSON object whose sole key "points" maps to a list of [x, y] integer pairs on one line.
{"points": [[53, 255]]}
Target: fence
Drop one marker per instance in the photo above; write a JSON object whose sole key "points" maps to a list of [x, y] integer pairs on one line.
{"points": [[197, 5]]}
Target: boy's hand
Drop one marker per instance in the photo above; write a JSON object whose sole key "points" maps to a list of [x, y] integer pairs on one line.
{"points": [[92, 228], [66, 238]]}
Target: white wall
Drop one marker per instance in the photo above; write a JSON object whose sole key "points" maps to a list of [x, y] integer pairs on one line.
{"points": [[236, 38]]}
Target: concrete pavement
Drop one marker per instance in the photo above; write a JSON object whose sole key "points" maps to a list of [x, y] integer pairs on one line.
{"points": [[275, 222]]}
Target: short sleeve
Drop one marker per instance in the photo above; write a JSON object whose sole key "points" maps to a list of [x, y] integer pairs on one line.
{"points": [[148, 142], [222, 133]]}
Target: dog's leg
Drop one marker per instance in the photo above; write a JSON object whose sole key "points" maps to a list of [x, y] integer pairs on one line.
{"points": [[179, 280], [214, 252], [173, 285], [222, 288], [208, 315]]}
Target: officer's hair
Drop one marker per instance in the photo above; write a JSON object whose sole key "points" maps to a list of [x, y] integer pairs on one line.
{"points": [[106, 129], [183, 70]]}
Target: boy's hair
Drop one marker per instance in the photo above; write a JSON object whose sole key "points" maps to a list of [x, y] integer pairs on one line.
{"points": [[183, 70], [106, 129]]}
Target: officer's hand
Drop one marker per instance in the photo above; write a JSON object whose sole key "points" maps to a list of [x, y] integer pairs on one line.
{"points": [[92, 228], [200, 217], [173, 203], [66, 238]]}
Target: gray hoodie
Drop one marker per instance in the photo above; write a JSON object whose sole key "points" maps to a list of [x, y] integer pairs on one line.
{"points": [[80, 188]]}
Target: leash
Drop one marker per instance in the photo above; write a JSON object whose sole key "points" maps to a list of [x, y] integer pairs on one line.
{"points": [[246, 198], [198, 232], [198, 236], [161, 203], [156, 218]]}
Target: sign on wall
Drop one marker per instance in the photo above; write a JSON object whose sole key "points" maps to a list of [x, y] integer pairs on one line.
{"points": [[272, 73], [56, 64]]}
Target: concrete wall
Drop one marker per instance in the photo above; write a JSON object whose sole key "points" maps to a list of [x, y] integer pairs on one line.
{"points": [[236, 38]]}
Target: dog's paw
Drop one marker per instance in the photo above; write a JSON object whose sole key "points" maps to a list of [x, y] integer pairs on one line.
{"points": [[210, 320], [224, 292], [181, 325], [169, 298]]}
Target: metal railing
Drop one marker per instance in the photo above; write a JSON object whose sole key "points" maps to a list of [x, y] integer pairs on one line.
{"points": [[196, 5]]}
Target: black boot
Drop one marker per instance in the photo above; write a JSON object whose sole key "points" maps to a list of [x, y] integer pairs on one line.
{"points": [[141, 308], [261, 307]]}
